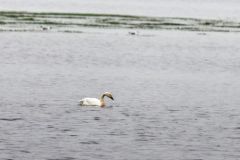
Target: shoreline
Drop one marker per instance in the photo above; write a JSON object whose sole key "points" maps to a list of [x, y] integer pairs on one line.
{"points": [[73, 22]]}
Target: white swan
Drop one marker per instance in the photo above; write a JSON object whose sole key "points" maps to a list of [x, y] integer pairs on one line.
{"points": [[96, 102]]}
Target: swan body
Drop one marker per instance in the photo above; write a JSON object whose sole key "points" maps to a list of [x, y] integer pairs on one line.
{"points": [[90, 102], [96, 102]]}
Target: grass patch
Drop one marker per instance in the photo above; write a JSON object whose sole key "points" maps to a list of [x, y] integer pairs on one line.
{"points": [[114, 23], [11, 15], [68, 15], [27, 19]]}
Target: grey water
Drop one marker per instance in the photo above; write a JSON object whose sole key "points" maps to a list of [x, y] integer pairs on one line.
{"points": [[176, 95]]}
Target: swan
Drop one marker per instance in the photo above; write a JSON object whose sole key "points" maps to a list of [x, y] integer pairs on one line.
{"points": [[96, 102]]}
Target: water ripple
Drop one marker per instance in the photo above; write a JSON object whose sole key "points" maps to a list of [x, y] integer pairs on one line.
{"points": [[10, 119]]}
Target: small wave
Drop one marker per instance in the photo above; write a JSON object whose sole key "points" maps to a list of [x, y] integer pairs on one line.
{"points": [[25, 151], [125, 114], [73, 135], [10, 119], [64, 158], [174, 110], [235, 138], [66, 130], [89, 142], [97, 118]]}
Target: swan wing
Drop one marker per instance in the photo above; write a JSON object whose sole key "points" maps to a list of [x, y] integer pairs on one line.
{"points": [[90, 102]]}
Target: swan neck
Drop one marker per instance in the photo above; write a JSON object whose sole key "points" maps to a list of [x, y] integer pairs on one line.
{"points": [[102, 103], [102, 97]]}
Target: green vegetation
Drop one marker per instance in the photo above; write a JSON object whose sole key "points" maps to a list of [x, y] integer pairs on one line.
{"points": [[25, 20]]}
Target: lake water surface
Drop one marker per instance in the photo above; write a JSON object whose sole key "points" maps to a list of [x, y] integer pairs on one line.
{"points": [[176, 95]]}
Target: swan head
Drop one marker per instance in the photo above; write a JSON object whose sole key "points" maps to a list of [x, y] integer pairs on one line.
{"points": [[109, 95]]}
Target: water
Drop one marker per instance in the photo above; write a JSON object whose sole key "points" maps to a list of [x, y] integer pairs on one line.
{"points": [[211, 9], [176, 95]]}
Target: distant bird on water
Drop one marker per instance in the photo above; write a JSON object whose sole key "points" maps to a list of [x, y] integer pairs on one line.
{"points": [[96, 102], [45, 28], [133, 33]]}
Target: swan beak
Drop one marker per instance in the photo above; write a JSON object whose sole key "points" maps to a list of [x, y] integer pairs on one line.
{"points": [[112, 98]]}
